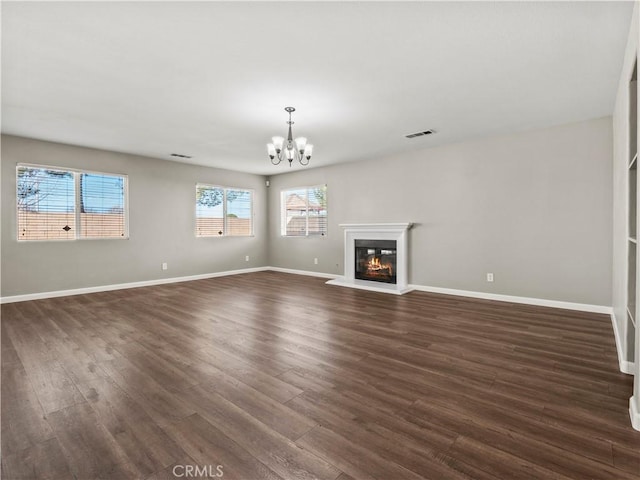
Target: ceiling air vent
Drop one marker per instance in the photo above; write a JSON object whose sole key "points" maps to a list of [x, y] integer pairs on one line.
{"points": [[420, 134], [180, 155]]}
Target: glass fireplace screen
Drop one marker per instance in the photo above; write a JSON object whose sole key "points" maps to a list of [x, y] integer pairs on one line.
{"points": [[376, 260]]}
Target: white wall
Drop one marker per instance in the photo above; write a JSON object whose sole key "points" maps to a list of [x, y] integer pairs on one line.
{"points": [[533, 208], [162, 224]]}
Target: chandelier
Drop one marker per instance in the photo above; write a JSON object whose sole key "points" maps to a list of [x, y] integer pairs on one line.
{"points": [[297, 149]]}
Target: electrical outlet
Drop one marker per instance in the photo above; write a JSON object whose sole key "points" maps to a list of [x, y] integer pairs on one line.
{"points": [[489, 277], [315, 261], [165, 266], [246, 259]]}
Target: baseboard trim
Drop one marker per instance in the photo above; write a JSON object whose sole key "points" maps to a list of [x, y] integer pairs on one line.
{"points": [[625, 366], [308, 273], [423, 288], [634, 413], [122, 286], [583, 307]]}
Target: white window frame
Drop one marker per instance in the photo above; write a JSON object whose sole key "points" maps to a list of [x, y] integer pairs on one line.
{"points": [[76, 179], [224, 210], [283, 212]]}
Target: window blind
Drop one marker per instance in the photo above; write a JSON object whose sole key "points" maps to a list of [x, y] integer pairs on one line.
{"points": [[317, 211], [101, 206], [209, 211], [46, 204], [239, 212]]}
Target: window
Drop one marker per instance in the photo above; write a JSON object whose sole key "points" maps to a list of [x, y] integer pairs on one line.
{"points": [[223, 211], [61, 204], [101, 206], [304, 211]]}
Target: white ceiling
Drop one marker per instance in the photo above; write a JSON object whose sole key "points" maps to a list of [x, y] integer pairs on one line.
{"points": [[211, 80]]}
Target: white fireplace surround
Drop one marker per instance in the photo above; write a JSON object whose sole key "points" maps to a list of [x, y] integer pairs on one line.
{"points": [[376, 231]]}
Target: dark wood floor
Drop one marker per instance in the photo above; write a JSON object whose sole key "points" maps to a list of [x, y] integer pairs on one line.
{"points": [[276, 376]]}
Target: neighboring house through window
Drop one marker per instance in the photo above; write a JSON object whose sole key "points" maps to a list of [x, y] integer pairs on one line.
{"points": [[304, 211]]}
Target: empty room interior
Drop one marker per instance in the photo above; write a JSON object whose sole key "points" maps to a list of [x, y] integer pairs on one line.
{"points": [[320, 240]]}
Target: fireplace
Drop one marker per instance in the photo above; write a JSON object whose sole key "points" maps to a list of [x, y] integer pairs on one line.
{"points": [[375, 260], [376, 257]]}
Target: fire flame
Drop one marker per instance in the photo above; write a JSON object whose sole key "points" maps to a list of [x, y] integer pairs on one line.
{"points": [[375, 266]]}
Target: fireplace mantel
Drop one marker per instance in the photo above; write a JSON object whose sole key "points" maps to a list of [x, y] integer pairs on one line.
{"points": [[376, 231], [376, 226]]}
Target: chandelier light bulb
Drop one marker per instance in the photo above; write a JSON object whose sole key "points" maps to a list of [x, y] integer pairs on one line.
{"points": [[290, 154], [301, 142], [308, 151], [277, 143]]}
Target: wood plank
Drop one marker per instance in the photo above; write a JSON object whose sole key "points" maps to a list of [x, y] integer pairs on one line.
{"points": [[500, 463], [23, 421], [357, 461], [161, 370], [91, 451], [274, 450], [279, 417], [627, 459], [207, 364], [305, 380], [160, 404], [53, 386], [8, 351], [252, 375], [212, 449], [93, 345], [419, 451], [535, 451], [79, 366], [146, 445], [42, 460], [485, 405]]}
